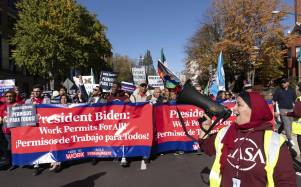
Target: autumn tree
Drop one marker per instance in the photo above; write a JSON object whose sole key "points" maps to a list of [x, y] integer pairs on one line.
{"points": [[122, 65], [250, 36], [53, 36]]}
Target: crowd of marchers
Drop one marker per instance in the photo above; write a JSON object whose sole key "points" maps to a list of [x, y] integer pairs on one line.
{"points": [[286, 109]]}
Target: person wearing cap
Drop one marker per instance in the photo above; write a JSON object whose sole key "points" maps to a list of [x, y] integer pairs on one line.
{"points": [[248, 152], [285, 98], [141, 94], [248, 87]]}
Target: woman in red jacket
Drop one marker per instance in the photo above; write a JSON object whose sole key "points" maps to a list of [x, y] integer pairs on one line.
{"points": [[248, 152], [10, 100]]}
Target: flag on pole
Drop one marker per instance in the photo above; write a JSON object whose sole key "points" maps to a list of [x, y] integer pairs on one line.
{"points": [[169, 78], [163, 59], [92, 74], [218, 80]]}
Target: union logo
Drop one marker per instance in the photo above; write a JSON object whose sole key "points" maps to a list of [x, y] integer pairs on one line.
{"points": [[251, 154]]}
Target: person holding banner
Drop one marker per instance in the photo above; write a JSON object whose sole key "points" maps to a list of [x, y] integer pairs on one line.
{"points": [[10, 100], [141, 94], [117, 94], [56, 166], [248, 152], [156, 96], [37, 98], [166, 95]]}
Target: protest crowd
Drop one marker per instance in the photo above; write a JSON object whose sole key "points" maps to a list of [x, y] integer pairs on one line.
{"points": [[285, 106]]}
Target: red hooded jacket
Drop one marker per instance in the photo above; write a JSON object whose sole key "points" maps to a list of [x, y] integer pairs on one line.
{"points": [[244, 148]]}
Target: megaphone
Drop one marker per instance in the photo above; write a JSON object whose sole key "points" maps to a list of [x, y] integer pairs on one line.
{"points": [[189, 95]]}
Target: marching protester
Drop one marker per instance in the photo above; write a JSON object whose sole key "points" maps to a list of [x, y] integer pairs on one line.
{"points": [[285, 98], [19, 98], [166, 96], [156, 96], [248, 87], [172, 95], [56, 166], [117, 94], [198, 88], [10, 100], [62, 91], [37, 98], [249, 152], [141, 94], [296, 113], [96, 96], [78, 97], [220, 97]]}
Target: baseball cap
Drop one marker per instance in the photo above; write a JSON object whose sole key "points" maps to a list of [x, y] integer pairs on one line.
{"points": [[284, 80]]}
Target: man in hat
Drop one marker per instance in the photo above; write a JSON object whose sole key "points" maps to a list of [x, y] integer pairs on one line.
{"points": [[141, 94], [248, 87], [285, 98]]}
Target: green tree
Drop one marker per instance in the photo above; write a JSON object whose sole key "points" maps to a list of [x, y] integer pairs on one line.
{"points": [[122, 65], [54, 35], [148, 63]]}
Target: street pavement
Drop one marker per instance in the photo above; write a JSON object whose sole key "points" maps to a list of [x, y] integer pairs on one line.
{"points": [[168, 170]]}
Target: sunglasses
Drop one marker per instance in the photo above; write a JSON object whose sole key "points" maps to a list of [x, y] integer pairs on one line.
{"points": [[8, 96]]}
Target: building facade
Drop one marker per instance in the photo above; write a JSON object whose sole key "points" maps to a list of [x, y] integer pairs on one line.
{"points": [[294, 47], [8, 69]]}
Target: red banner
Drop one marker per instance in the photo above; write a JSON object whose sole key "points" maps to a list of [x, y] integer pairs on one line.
{"points": [[111, 130], [171, 135]]}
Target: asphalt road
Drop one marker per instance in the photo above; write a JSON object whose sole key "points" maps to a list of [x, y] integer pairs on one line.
{"points": [[165, 171]]}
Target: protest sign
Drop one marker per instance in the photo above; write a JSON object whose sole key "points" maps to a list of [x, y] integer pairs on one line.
{"points": [[6, 85], [89, 88], [106, 80], [173, 136], [81, 131], [128, 86], [139, 75], [68, 84], [21, 115], [155, 82]]}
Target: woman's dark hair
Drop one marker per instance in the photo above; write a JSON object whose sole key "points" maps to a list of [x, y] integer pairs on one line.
{"points": [[13, 93], [219, 94]]}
